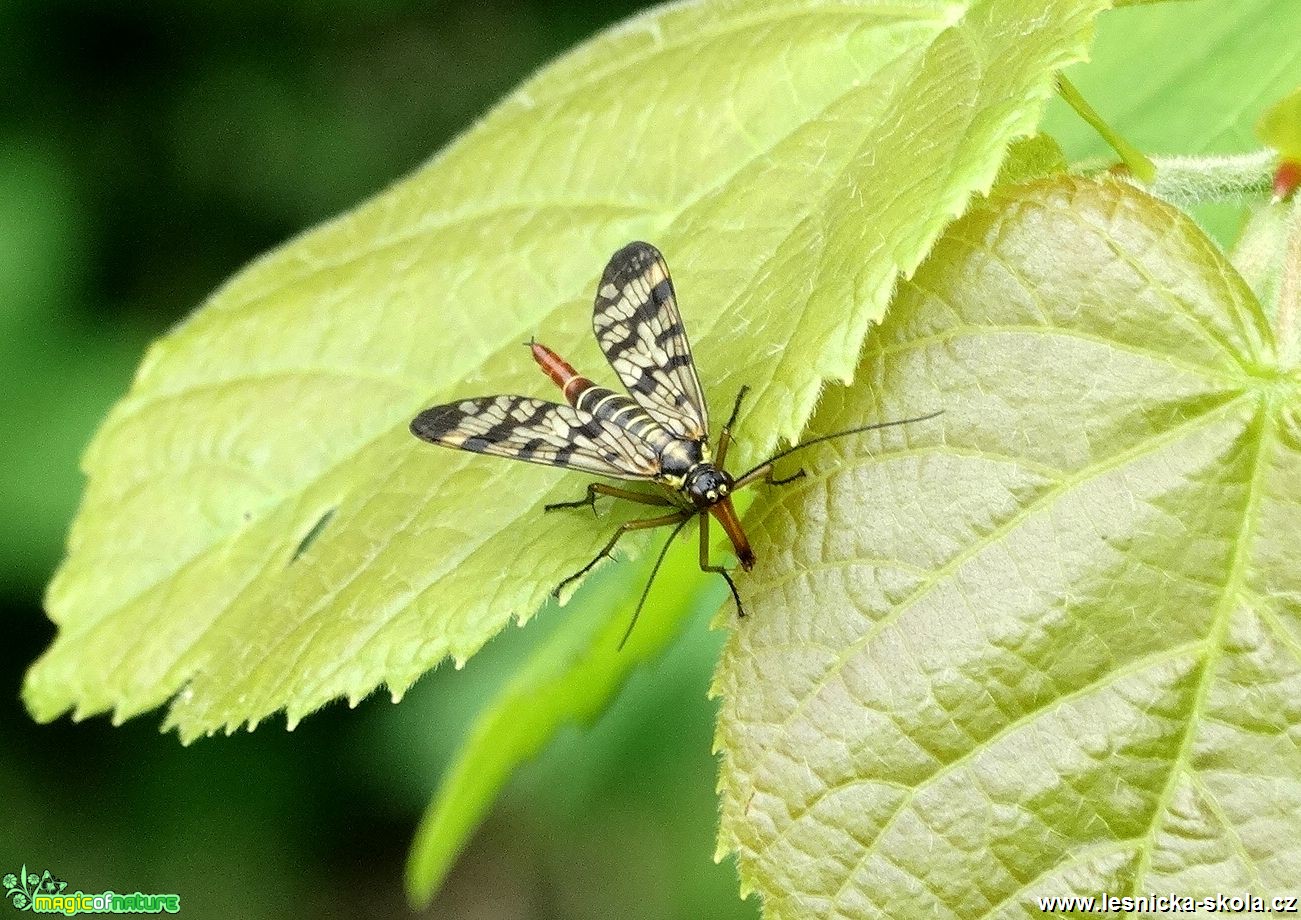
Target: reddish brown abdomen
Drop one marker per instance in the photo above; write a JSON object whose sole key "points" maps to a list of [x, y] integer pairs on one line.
{"points": [[571, 383]]}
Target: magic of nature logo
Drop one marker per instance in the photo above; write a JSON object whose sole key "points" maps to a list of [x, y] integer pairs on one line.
{"points": [[44, 893]]}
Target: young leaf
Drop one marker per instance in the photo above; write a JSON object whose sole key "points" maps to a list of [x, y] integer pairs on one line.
{"points": [[790, 159], [1048, 642], [1280, 126], [570, 679]]}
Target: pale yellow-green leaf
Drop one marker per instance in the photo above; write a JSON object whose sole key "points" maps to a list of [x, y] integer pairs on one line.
{"points": [[1280, 126], [790, 159], [1048, 643]]}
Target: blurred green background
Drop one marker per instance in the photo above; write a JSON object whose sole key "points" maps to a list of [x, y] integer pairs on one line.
{"points": [[148, 150]]}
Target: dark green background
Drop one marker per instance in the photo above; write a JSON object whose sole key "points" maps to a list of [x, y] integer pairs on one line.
{"points": [[147, 150]]}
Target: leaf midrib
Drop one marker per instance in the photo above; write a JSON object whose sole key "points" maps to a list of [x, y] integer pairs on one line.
{"points": [[1212, 645], [1215, 639]]}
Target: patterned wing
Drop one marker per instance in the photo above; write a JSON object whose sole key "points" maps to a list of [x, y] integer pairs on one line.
{"points": [[638, 326], [539, 432]]}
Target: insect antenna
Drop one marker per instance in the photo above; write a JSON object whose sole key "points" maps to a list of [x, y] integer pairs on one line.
{"points": [[645, 592], [751, 474]]}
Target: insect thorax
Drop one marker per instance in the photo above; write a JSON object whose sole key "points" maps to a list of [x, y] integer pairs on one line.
{"points": [[682, 463], [678, 458]]}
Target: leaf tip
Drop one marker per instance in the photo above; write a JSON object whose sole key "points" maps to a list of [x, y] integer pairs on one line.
{"points": [[722, 850]]}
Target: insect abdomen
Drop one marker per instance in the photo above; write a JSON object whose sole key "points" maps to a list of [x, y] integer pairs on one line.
{"points": [[618, 409], [605, 404], [571, 383]]}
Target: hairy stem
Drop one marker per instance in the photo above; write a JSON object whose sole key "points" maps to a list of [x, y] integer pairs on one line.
{"points": [[1187, 181]]}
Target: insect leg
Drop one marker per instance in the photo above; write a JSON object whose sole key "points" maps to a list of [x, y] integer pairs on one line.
{"points": [[705, 565], [676, 517], [765, 474], [725, 436], [593, 488], [645, 592]]}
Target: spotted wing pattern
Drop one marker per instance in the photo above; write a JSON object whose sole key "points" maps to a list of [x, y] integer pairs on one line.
{"points": [[539, 432], [638, 326]]}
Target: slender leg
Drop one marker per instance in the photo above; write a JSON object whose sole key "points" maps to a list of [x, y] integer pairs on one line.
{"points": [[676, 517], [593, 488], [725, 436], [645, 592], [765, 473], [705, 565]]}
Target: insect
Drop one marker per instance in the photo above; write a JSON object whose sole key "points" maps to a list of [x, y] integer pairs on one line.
{"points": [[658, 433]]}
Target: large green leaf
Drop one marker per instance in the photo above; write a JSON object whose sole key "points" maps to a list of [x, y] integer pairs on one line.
{"points": [[791, 159], [1050, 642]]}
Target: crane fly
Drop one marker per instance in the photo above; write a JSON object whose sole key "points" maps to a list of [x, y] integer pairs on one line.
{"points": [[658, 432]]}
